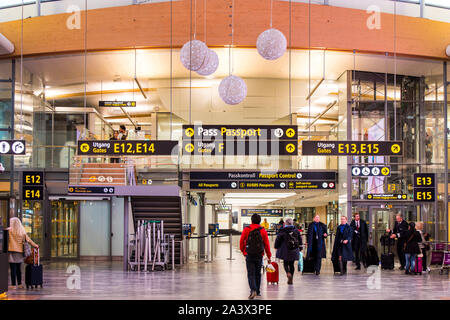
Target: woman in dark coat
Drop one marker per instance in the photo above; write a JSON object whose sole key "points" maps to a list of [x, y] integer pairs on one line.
{"points": [[342, 248], [411, 249], [288, 244], [317, 233]]}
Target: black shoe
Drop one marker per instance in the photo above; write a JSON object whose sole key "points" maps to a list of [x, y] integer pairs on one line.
{"points": [[358, 268], [252, 295], [402, 268], [317, 273], [406, 271]]}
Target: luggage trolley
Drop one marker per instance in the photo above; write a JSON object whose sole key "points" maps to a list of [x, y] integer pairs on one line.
{"points": [[440, 256], [150, 248]]}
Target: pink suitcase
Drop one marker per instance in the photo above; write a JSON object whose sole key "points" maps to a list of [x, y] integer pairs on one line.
{"points": [[418, 268]]}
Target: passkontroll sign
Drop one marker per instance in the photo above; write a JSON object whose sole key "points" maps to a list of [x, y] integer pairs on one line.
{"points": [[352, 148], [125, 147]]}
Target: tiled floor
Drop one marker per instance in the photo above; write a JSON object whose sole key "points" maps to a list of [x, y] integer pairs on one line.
{"points": [[224, 279]]}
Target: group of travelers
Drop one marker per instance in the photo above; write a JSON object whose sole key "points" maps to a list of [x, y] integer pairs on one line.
{"points": [[411, 242], [350, 244]]}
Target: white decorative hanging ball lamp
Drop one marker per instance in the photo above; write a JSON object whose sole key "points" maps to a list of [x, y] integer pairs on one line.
{"points": [[447, 51], [210, 64], [232, 90], [271, 44], [193, 54]]}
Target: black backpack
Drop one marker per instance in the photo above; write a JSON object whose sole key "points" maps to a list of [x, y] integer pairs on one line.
{"points": [[292, 241], [255, 243]]}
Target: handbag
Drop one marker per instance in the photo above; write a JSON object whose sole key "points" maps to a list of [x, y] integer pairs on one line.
{"points": [[26, 249], [406, 243]]}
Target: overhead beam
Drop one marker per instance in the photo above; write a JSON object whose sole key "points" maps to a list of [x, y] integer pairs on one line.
{"points": [[331, 105]]}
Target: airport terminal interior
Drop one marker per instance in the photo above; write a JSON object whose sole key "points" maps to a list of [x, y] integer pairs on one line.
{"points": [[137, 139]]}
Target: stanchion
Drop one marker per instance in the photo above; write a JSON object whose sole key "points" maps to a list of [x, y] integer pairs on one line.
{"points": [[231, 247], [173, 251], [208, 248]]}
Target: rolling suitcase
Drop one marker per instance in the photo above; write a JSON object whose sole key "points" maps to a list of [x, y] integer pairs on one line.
{"points": [[273, 277], [34, 272], [387, 259], [418, 268], [371, 256], [308, 265]]}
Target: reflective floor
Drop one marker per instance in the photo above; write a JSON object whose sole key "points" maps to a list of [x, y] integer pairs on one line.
{"points": [[224, 279]]}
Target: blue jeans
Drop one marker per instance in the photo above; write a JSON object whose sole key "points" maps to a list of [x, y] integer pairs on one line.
{"points": [[410, 261], [254, 266]]}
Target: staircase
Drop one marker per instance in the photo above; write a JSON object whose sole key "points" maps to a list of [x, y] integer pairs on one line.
{"points": [[167, 209]]}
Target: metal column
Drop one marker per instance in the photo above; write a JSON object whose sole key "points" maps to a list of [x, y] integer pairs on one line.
{"points": [[13, 204], [446, 154]]}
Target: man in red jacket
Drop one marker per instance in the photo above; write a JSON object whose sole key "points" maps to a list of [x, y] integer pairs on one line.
{"points": [[254, 241]]}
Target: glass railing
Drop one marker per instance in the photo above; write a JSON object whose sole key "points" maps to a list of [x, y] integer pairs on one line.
{"points": [[43, 156], [11, 10]]}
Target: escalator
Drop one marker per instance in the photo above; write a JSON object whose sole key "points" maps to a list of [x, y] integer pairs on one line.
{"points": [[161, 208]]}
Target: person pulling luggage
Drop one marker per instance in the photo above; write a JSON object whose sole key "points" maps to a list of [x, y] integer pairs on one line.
{"points": [[360, 239], [342, 248], [253, 243], [399, 233], [317, 233], [411, 247], [288, 244], [17, 237]]}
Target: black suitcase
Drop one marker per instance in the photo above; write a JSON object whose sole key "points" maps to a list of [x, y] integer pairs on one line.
{"points": [[387, 259], [308, 266], [34, 273], [371, 257], [336, 266]]}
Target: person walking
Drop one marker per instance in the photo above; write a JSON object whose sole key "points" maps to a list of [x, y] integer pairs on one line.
{"points": [[411, 247], [123, 133], [115, 137], [424, 246], [359, 240], [253, 243], [399, 232], [17, 237], [316, 235], [288, 244], [342, 248], [279, 225]]}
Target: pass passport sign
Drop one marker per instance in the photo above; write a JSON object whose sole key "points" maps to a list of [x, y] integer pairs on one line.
{"points": [[225, 132]]}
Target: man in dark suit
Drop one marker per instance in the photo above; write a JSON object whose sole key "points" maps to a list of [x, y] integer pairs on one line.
{"points": [[399, 232], [360, 238]]}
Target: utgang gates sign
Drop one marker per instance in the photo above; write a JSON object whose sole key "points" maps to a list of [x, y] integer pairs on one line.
{"points": [[126, 147], [352, 148]]}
